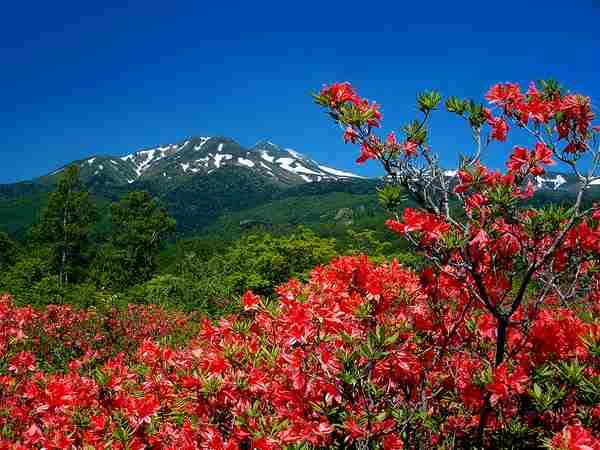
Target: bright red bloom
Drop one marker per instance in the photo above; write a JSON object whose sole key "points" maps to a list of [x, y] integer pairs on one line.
{"points": [[519, 159], [339, 93], [507, 95], [499, 128], [575, 437], [250, 301], [410, 148], [350, 135], [368, 151]]}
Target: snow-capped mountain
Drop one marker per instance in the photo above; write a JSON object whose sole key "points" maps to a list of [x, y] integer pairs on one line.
{"points": [[199, 156]]}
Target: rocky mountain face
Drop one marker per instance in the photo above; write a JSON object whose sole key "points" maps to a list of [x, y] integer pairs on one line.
{"points": [[174, 164]]}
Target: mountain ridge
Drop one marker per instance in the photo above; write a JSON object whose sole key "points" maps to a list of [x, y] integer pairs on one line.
{"points": [[202, 155]]}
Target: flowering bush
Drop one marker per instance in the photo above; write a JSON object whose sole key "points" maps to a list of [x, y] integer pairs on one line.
{"points": [[495, 343]]}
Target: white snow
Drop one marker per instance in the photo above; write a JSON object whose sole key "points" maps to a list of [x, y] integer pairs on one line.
{"points": [[100, 167], [265, 155], [595, 181], [555, 182], [338, 173], [306, 178], [221, 157], [286, 163], [114, 162], [203, 140], [143, 159], [130, 181], [91, 161], [220, 147], [246, 162], [294, 153], [185, 166], [450, 173]]}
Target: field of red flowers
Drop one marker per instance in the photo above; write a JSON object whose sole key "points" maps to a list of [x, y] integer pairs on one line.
{"points": [[354, 354]]}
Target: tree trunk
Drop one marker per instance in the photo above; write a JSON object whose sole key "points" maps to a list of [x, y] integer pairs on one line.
{"points": [[501, 334]]}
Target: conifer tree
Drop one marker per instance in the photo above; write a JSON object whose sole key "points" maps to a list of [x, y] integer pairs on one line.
{"points": [[65, 223]]}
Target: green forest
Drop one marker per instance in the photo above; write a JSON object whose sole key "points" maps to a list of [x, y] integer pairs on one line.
{"points": [[83, 251]]}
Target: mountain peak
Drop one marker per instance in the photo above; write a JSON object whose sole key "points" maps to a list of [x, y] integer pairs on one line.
{"points": [[203, 155]]}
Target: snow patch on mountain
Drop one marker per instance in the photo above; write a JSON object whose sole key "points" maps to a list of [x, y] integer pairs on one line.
{"points": [[555, 182], [203, 140], [221, 157], [265, 155], [338, 173], [246, 162], [294, 153]]}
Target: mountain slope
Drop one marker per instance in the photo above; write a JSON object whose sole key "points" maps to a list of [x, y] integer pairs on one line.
{"points": [[198, 179]]}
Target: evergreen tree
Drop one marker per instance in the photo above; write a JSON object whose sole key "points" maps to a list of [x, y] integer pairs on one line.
{"points": [[65, 224], [140, 226]]}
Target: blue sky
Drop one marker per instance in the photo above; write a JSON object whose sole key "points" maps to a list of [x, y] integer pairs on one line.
{"points": [[82, 78]]}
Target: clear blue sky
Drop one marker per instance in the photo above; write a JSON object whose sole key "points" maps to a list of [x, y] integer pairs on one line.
{"points": [[80, 78]]}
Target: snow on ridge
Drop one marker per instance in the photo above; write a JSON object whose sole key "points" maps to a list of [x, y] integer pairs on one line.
{"points": [[286, 164], [221, 157], [91, 161], [203, 140], [294, 153], [338, 173], [185, 166], [450, 173], [306, 178], [246, 162], [265, 155]]}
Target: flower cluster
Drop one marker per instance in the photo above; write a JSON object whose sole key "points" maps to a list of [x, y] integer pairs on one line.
{"points": [[506, 270]]}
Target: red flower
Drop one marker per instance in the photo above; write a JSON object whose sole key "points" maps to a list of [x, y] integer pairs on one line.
{"points": [[507, 95], [575, 437], [410, 148], [350, 135], [250, 301], [519, 159], [499, 128], [339, 93], [367, 151]]}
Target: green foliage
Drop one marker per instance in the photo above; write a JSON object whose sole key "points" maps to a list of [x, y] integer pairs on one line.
{"points": [[65, 225], [183, 293], [428, 101], [8, 250], [259, 262], [140, 227], [391, 197]]}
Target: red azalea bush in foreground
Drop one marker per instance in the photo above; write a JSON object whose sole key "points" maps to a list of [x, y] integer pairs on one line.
{"points": [[495, 343]]}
